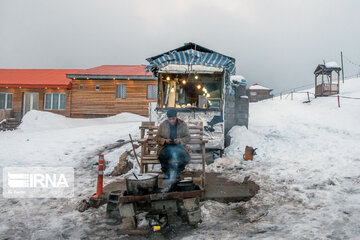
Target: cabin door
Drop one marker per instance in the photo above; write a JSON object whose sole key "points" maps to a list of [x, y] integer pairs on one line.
{"points": [[30, 102]]}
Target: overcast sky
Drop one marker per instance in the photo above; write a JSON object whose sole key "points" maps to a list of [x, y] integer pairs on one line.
{"points": [[276, 43]]}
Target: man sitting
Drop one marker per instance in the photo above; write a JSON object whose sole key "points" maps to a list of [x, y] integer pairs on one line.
{"points": [[172, 137]]}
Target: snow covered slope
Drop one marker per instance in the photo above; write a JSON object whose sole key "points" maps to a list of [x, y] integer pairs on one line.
{"points": [[308, 169]]}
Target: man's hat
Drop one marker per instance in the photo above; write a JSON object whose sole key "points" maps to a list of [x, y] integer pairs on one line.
{"points": [[171, 113]]}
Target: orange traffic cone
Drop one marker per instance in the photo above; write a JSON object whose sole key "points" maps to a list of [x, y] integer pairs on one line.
{"points": [[99, 187]]}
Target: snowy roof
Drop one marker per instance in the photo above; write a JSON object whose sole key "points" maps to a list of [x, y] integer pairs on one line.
{"points": [[327, 68], [181, 68], [191, 54], [256, 86], [331, 65]]}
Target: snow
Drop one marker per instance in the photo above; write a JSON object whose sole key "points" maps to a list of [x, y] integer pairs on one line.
{"points": [[331, 65], [258, 87], [185, 68], [238, 80], [307, 167], [49, 140], [39, 121]]}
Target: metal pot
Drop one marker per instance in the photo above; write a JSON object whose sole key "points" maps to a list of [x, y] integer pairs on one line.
{"points": [[142, 184], [185, 185]]}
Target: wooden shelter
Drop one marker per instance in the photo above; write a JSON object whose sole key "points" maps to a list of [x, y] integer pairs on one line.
{"points": [[327, 86]]}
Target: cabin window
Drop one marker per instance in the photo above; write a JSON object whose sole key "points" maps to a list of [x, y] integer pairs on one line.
{"points": [[120, 90], [152, 91], [6, 100], [55, 101], [253, 93], [97, 87]]}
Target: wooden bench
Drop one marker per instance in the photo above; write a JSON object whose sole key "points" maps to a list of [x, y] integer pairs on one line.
{"points": [[149, 147]]}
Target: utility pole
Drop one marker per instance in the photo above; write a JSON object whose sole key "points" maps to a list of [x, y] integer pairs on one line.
{"points": [[342, 67]]}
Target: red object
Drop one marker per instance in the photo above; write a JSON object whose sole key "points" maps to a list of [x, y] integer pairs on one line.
{"points": [[121, 70], [35, 78], [99, 187]]}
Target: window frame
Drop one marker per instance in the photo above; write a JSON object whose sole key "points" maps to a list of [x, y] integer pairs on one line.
{"points": [[121, 91], [51, 102], [6, 100], [152, 91]]}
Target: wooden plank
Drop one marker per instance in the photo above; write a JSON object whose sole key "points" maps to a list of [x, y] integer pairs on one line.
{"points": [[160, 196], [148, 161]]}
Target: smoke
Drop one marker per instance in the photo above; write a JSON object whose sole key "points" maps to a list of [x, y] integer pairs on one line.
{"points": [[178, 158]]}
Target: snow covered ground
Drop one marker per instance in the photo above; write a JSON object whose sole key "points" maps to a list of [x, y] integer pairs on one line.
{"points": [[49, 140], [308, 169]]}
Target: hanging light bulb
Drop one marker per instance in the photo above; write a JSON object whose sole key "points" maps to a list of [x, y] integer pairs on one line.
{"points": [[172, 89], [207, 95], [168, 78], [184, 81], [196, 76], [198, 86]]}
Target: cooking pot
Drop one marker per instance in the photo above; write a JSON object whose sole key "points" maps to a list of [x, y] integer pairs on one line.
{"points": [[142, 184], [185, 185]]}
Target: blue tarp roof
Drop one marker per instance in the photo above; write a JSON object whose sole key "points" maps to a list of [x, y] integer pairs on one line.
{"points": [[191, 54]]}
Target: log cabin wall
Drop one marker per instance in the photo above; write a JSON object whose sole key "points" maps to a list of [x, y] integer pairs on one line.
{"points": [[17, 105], [87, 101]]}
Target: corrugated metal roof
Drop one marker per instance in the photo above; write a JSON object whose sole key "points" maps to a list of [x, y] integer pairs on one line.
{"points": [[120, 70], [191, 54], [35, 78]]}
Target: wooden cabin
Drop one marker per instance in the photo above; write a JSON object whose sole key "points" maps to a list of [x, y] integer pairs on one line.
{"points": [[22, 90], [327, 86], [111, 89], [256, 92]]}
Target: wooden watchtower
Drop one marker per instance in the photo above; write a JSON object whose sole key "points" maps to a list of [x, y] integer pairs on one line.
{"points": [[327, 86]]}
